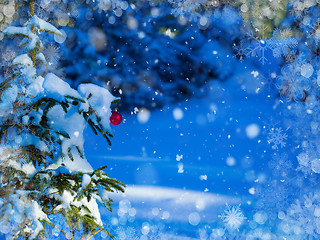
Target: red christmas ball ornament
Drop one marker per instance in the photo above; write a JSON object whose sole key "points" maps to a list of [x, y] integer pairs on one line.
{"points": [[116, 118]]}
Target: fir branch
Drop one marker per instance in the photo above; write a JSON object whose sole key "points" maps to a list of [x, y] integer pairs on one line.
{"points": [[96, 234], [75, 99], [115, 101], [65, 234]]}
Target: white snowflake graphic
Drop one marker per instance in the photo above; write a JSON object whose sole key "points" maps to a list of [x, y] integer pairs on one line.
{"points": [[291, 83], [277, 138], [267, 125], [302, 218], [303, 159], [280, 165], [280, 44], [187, 8], [52, 53], [239, 51], [232, 217], [314, 32], [308, 162], [283, 47], [122, 233], [258, 48], [299, 9]]}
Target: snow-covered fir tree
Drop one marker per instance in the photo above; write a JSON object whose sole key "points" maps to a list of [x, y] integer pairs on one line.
{"points": [[43, 170]]}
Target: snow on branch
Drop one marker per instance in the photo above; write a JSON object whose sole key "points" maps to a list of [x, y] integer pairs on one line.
{"points": [[43, 26], [23, 59]]}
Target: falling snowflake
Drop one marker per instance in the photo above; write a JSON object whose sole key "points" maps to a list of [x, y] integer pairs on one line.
{"points": [[179, 157], [277, 137], [232, 217], [180, 168]]}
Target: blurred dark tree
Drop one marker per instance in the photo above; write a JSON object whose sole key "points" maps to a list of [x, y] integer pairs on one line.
{"points": [[146, 55]]}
